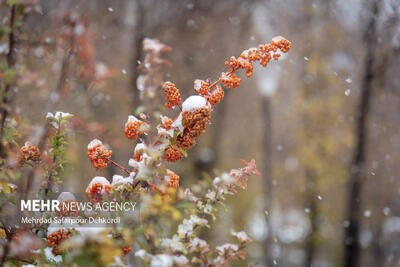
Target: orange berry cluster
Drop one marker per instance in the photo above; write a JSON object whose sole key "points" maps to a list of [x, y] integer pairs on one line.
{"points": [[230, 81], [99, 156], [172, 95], [30, 152], [262, 54], [95, 192], [203, 88], [56, 238], [172, 153], [185, 140], [172, 182], [216, 96], [167, 123], [165, 127], [68, 208], [173, 179], [135, 129], [196, 122], [138, 155]]}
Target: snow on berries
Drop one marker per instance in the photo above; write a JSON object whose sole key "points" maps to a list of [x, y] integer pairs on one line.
{"points": [[173, 153], [193, 103], [97, 188], [56, 233], [99, 155], [135, 128], [141, 161], [55, 238], [166, 127], [119, 182], [172, 95], [201, 87], [30, 152]]}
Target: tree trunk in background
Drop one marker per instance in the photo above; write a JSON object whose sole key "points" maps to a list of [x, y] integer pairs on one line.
{"points": [[310, 245], [138, 12], [310, 176], [138, 36], [378, 246], [352, 234], [267, 170]]}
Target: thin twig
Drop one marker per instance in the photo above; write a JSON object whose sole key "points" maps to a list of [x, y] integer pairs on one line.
{"points": [[119, 166]]}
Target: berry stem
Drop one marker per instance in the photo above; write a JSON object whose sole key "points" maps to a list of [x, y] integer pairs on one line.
{"points": [[215, 83], [229, 72], [119, 166]]}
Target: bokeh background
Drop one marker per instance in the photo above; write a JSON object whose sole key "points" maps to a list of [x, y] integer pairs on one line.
{"points": [[320, 122]]}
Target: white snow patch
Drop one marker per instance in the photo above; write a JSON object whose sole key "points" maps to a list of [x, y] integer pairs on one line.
{"points": [[94, 143], [193, 103], [131, 118], [226, 247], [277, 38], [99, 180], [178, 123], [49, 255], [142, 170], [120, 181]]}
